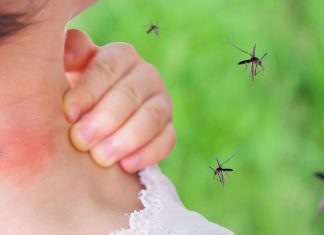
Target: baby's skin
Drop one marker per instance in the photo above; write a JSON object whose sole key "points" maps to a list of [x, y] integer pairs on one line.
{"points": [[117, 103], [119, 106]]}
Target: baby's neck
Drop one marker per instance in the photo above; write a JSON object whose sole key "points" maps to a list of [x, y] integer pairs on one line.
{"points": [[46, 186]]}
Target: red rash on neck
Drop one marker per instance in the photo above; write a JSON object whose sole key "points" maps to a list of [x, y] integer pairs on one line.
{"points": [[24, 153]]}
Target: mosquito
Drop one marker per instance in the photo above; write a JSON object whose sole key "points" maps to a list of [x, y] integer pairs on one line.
{"points": [[252, 61], [153, 28], [219, 171]]}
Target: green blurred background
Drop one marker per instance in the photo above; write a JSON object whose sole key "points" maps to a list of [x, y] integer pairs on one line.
{"points": [[277, 121]]}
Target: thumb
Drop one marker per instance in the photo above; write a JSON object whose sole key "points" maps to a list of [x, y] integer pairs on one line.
{"points": [[79, 50]]}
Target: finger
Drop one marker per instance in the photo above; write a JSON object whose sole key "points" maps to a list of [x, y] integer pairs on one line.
{"points": [[153, 152], [116, 107], [136, 132], [79, 49], [109, 65]]}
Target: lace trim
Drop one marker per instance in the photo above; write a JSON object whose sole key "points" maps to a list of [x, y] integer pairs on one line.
{"points": [[164, 212], [148, 220]]}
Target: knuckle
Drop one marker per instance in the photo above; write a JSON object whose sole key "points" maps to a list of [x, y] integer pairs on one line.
{"points": [[154, 75], [123, 50], [154, 154], [127, 48], [115, 58], [166, 105], [152, 72], [106, 64], [173, 138], [91, 97], [129, 91], [106, 121], [157, 114], [169, 105]]}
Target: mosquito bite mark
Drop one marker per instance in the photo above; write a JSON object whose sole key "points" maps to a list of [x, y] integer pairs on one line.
{"points": [[24, 154]]}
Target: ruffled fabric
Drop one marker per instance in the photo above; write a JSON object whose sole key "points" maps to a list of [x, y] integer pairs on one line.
{"points": [[164, 213]]}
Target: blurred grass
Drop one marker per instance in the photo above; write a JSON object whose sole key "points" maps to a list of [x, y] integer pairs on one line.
{"points": [[277, 122]]}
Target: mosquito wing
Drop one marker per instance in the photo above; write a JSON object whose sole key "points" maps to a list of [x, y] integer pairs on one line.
{"points": [[252, 71], [218, 163], [253, 50], [263, 56], [157, 31]]}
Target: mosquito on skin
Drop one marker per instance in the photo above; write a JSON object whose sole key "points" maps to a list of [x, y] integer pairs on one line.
{"points": [[219, 171], [252, 61]]}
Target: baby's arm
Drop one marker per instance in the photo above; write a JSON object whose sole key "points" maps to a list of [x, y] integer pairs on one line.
{"points": [[118, 104]]}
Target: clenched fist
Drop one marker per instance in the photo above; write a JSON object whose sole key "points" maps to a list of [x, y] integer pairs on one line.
{"points": [[117, 103]]}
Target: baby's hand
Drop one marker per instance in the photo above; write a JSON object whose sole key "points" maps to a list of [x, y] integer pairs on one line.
{"points": [[119, 106]]}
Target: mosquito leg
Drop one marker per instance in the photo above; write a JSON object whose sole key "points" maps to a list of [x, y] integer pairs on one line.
{"points": [[258, 72], [211, 168], [255, 69], [233, 155], [219, 177], [262, 69], [157, 33], [237, 47], [223, 178], [213, 172]]}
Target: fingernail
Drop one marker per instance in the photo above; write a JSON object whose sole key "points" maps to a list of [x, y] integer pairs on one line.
{"points": [[132, 163], [82, 137], [105, 154]]}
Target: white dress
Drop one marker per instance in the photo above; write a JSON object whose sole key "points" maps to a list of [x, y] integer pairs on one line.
{"points": [[164, 213]]}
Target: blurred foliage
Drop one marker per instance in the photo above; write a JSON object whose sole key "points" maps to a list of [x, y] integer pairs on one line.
{"points": [[277, 121]]}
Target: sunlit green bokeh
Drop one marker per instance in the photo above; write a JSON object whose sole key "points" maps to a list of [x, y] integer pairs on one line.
{"points": [[277, 122]]}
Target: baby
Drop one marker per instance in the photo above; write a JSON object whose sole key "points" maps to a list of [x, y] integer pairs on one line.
{"points": [[117, 111]]}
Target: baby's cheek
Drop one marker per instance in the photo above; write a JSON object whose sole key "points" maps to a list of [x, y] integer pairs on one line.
{"points": [[24, 153]]}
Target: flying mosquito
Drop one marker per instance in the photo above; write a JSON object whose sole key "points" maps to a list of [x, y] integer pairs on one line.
{"points": [[319, 175], [252, 61], [219, 171], [153, 28]]}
